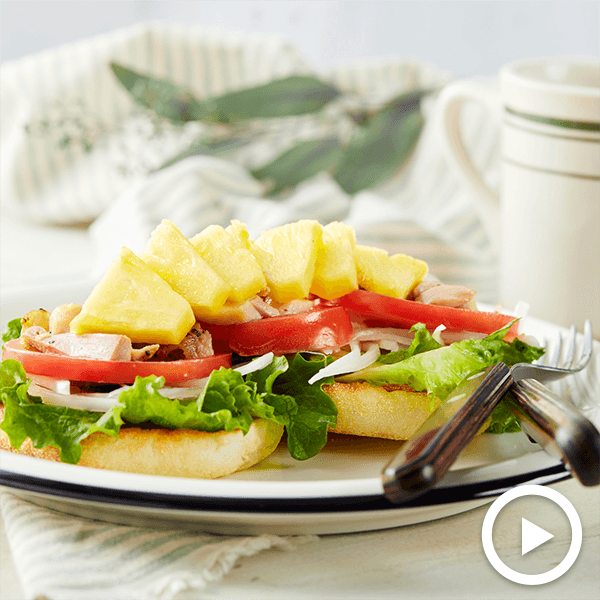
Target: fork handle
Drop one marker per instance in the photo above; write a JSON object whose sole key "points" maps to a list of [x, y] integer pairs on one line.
{"points": [[558, 427], [426, 458]]}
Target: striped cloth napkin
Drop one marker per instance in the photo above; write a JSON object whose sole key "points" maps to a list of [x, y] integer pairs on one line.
{"points": [[75, 150], [60, 557]]}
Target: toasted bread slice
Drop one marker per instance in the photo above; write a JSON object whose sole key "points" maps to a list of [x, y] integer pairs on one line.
{"points": [[392, 411], [171, 453]]}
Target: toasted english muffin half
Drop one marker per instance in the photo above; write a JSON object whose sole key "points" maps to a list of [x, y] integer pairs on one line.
{"points": [[171, 453], [393, 412]]}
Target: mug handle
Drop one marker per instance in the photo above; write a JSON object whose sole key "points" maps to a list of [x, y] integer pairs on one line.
{"points": [[448, 108]]}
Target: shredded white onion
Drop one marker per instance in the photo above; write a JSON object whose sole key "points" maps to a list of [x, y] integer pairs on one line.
{"points": [[351, 362], [389, 345], [450, 336], [255, 365], [181, 393], [404, 337], [61, 386], [437, 334], [91, 402]]}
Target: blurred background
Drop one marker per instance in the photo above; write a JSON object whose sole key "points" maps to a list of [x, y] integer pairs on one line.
{"points": [[466, 38], [57, 188]]}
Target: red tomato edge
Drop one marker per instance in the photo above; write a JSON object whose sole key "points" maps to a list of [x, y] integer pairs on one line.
{"points": [[364, 303], [318, 329], [111, 371]]}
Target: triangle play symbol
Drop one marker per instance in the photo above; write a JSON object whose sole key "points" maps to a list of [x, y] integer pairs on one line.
{"points": [[532, 536]]}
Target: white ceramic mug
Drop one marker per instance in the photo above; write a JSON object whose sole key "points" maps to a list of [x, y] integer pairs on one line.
{"points": [[545, 222]]}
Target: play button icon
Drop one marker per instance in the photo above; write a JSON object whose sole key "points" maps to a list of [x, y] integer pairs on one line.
{"points": [[532, 536]]}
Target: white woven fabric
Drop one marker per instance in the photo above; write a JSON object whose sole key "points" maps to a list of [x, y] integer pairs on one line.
{"points": [[61, 557]]}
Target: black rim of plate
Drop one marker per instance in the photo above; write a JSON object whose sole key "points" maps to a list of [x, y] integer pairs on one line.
{"points": [[164, 501]]}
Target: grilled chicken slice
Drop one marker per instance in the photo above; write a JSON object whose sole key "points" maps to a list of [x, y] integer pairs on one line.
{"points": [[144, 353], [100, 346], [442, 294], [196, 344], [295, 307], [264, 309]]}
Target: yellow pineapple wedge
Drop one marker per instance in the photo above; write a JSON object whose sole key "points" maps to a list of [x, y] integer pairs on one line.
{"points": [[240, 231], [335, 269], [171, 255], [232, 260], [132, 300], [293, 248], [394, 275]]}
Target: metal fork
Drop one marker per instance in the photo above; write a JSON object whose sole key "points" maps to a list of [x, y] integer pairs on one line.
{"points": [[553, 365], [559, 427], [553, 423]]}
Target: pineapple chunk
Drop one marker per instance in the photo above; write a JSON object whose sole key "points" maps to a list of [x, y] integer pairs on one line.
{"points": [[335, 270], [232, 260], [240, 232], [264, 259], [293, 248], [394, 276], [132, 300], [170, 254]]}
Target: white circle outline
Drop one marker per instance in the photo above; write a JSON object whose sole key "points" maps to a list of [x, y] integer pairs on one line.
{"points": [[568, 560]]}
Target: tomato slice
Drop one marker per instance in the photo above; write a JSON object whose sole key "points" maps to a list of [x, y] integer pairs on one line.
{"points": [[111, 371], [315, 330], [381, 310]]}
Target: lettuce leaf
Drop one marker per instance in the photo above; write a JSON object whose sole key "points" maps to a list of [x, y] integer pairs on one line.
{"points": [[422, 342], [314, 412], [441, 370], [13, 331], [502, 420], [227, 410], [62, 427]]}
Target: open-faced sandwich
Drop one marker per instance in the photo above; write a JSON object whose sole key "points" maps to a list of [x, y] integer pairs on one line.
{"points": [[194, 357]]}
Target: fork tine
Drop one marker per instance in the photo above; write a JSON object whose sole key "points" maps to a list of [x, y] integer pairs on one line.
{"points": [[556, 353], [588, 342], [552, 369], [544, 344], [569, 358]]}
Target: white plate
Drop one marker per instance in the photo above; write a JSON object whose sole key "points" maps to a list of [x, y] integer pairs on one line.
{"points": [[337, 491]]}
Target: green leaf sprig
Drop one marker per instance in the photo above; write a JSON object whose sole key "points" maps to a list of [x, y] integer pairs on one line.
{"points": [[380, 144], [290, 96]]}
